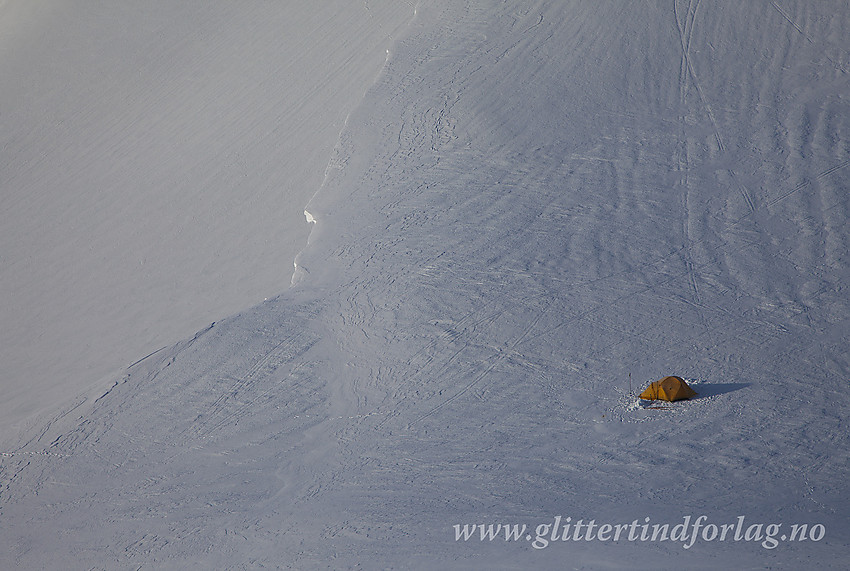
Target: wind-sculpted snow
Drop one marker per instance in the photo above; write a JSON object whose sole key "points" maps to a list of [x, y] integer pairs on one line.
{"points": [[156, 159], [534, 208]]}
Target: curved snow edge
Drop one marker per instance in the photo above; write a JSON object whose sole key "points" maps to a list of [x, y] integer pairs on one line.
{"points": [[334, 162]]}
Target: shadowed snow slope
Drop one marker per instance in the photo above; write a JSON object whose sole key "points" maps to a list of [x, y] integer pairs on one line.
{"points": [[535, 202], [156, 160]]}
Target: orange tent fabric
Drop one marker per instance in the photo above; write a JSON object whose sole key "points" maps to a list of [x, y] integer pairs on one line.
{"points": [[668, 388]]}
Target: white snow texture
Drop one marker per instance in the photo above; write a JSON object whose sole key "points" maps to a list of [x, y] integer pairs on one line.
{"points": [[521, 213]]}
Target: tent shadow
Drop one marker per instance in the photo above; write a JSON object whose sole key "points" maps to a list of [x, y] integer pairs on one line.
{"points": [[705, 390]]}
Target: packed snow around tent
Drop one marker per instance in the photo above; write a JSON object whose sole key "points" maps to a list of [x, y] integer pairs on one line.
{"points": [[534, 203]]}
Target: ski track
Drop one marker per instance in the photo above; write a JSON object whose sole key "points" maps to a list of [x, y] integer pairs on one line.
{"points": [[803, 33], [478, 291]]}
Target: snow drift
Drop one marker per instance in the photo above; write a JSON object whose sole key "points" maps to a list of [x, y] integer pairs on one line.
{"points": [[156, 160], [531, 205]]}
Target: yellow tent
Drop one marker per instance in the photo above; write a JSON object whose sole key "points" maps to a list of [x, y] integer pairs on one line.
{"points": [[668, 388]]}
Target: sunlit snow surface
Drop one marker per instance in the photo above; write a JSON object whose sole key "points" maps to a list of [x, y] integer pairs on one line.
{"points": [[537, 209], [156, 158]]}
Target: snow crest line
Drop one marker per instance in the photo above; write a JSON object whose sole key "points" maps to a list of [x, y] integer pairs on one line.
{"points": [[38, 453], [335, 161]]}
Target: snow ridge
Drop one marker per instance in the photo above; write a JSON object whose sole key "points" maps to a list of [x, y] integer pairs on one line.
{"points": [[338, 159], [533, 207], [154, 182]]}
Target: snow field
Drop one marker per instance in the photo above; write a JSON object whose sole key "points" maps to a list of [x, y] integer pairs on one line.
{"points": [[156, 161], [531, 204]]}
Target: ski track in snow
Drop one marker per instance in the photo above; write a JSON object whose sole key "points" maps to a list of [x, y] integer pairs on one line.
{"points": [[531, 206]]}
